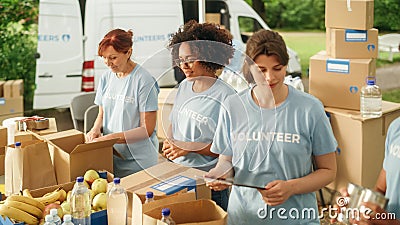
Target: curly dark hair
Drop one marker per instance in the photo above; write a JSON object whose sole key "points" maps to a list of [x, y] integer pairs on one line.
{"points": [[209, 53]]}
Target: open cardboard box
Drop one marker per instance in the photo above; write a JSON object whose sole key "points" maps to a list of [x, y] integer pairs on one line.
{"points": [[168, 181], [72, 156], [199, 212]]}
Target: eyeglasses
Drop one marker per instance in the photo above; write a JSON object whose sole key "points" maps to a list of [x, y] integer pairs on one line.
{"points": [[188, 62]]}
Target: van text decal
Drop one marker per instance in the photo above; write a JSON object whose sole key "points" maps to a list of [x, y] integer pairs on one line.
{"points": [[156, 37], [54, 37]]}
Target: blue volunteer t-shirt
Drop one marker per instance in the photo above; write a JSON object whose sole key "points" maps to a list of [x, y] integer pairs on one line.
{"points": [[272, 144], [122, 100], [391, 164], [194, 118]]}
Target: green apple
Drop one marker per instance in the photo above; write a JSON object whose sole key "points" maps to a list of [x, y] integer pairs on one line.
{"points": [[90, 176], [66, 207], [99, 186], [100, 202]]}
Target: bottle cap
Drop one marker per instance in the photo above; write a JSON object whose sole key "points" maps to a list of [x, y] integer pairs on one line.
{"points": [[117, 180], [165, 212], [67, 217], [17, 144], [53, 212], [371, 80], [149, 194], [79, 179], [48, 218]]}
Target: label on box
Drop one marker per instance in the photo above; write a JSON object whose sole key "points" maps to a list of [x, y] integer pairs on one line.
{"points": [[338, 65], [356, 36], [175, 184], [2, 101]]}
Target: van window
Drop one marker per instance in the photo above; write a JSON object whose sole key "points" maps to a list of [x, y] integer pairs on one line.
{"points": [[247, 26], [216, 12]]}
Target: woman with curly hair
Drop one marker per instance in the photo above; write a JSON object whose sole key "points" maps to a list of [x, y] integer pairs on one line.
{"points": [[200, 51]]}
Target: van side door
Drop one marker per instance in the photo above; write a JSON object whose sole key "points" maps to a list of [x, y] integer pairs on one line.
{"points": [[60, 53]]}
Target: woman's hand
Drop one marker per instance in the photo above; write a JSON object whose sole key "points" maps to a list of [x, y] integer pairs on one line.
{"points": [[92, 134], [171, 151], [214, 184], [276, 192]]}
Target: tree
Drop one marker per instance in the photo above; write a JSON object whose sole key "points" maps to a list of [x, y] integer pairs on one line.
{"points": [[18, 42]]}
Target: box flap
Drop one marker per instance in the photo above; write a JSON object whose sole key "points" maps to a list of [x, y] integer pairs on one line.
{"points": [[93, 146], [18, 88], [61, 134], [7, 89], [199, 212], [138, 206], [387, 107]]}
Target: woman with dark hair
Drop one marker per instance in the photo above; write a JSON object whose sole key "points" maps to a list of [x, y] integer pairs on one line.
{"points": [[268, 137], [127, 96], [200, 51]]}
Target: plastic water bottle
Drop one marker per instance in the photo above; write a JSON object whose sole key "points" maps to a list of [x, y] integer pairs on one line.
{"points": [[48, 220], [80, 203], [371, 99], [117, 204], [166, 216], [17, 167], [56, 218], [149, 197], [67, 220], [8, 172]]}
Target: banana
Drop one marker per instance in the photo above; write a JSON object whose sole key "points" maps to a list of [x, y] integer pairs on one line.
{"points": [[18, 214], [48, 199], [24, 199], [33, 210], [26, 193]]}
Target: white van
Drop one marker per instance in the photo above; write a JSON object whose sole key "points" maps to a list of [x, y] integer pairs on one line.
{"points": [[69, 34]]}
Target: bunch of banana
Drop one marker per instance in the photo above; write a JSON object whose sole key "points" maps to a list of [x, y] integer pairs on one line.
{"points": [[48, 198], [22, 208]]}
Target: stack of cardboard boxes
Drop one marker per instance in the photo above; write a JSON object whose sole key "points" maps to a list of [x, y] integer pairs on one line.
{"points": [[11, 99], [336, 78]]}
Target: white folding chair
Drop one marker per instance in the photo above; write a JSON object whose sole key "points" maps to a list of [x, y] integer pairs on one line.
{"points": [[78, 107], [90, 117]]}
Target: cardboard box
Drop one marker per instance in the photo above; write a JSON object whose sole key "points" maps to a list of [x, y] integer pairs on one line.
{"points": [[3, 136], [361, 143], [71, 156], [51, 130], [17, 88], [3, 143], [352, 44], [7, 89], [213, 18], [2, 82], [7, 116], [11, 106], [163, 179], [199, 212], [139, 207], [166, 99], [357, 15], [338, 82]]}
